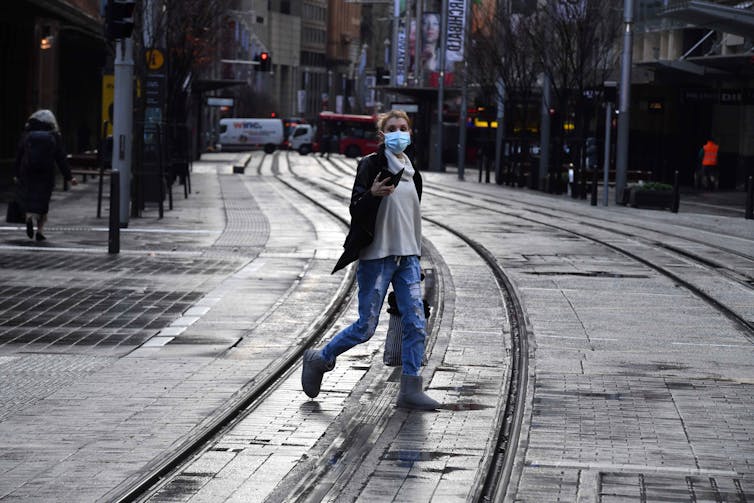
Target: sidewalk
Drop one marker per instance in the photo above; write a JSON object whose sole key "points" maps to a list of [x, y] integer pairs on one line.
{"points": [[109, 361]]}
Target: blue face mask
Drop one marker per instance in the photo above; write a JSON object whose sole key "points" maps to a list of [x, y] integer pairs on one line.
{"points": [[397, 141]]}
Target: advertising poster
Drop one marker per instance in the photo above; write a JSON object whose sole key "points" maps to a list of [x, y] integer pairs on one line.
{"points": [[431, 42]]}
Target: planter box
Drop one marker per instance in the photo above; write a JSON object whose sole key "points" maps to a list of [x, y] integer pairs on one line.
{"points": [[650, 198]]}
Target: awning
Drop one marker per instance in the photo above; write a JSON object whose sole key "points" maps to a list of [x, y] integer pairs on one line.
{"points": [[73, 17], [737, 21]]}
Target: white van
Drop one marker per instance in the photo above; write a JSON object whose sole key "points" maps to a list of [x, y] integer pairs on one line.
{"points": [[302, 138], [251, 133]]}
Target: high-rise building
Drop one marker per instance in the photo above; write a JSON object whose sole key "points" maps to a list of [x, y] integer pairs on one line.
{"points": [[313, 92]]}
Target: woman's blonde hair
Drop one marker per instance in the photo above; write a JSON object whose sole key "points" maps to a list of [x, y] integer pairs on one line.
{"points": [[392, 114]]}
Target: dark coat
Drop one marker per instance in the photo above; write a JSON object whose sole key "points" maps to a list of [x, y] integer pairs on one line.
{"points": [[35, 188], [364, 205]]}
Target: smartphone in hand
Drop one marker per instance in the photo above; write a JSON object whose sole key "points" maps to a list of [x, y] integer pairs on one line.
{"points": [[394, 177]]}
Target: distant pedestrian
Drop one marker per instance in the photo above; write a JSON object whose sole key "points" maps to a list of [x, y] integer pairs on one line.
{"points": [[40, 150], [324, 145], [385, 238], [708, 156]]}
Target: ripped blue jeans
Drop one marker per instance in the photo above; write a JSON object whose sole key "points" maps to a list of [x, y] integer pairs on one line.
{"points": [[374, 277]]}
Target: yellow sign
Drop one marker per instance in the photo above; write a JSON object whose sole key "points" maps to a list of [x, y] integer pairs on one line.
{"points": [[155, 59], [108, 97]]}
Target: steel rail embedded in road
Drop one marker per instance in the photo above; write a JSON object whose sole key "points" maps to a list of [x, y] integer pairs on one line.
{"points": [[746, 326], [158, 472], [499, 464]]}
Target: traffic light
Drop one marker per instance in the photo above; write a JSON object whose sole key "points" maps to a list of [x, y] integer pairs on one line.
{"points": [[264, 62], [119, 21]]}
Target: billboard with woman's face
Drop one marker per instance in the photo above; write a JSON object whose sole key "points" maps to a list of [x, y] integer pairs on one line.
{"points": [[430, 53], [431, 33]]}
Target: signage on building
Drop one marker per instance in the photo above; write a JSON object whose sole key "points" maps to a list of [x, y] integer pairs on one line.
{"points": [[455, 32], [219, 102], [400, 60], [718, 96]]}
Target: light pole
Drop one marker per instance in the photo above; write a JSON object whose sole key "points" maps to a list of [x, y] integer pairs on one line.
{"points": [[439, 166], [621, 162], [123, 122]]}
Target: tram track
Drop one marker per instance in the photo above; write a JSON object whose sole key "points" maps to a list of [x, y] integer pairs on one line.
{"points": [[322, 480], [609, 225], [158, 473], [732, 313], [160, 477], [738, 278], [501, 456]]}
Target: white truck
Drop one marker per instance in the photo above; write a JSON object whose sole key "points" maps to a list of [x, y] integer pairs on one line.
{"points": [[302, 138], [236, 133]]}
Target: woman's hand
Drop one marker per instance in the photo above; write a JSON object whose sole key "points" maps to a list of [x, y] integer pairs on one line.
{"points": [[381, 188]]}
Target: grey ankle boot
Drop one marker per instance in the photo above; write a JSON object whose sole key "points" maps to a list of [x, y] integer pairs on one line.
{"points": [[411, 395], [314, 368]]}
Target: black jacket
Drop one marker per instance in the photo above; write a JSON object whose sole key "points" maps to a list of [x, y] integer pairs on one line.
{"points": [[34, 188], [364, 205]]}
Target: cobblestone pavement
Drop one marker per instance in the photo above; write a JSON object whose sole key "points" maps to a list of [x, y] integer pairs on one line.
{"points": [[107, 361], [638, 392]]}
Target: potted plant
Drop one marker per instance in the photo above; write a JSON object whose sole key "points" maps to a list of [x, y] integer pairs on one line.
{"points": [[650, 195]]}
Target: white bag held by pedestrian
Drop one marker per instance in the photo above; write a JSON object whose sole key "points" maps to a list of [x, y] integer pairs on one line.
{"points": [[394, 338], [392, 355]]}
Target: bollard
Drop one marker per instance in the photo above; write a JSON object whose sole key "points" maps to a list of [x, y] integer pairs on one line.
{"points": [[676, 193], [750, 201], [113, 235], [594, 187]]}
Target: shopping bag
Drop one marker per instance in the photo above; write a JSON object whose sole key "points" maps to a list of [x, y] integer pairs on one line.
{"points": [[393, 340]]}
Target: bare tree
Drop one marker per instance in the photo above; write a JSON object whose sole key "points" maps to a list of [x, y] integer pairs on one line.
{"points": [[575, 44], [498, 53], [189, 32]]}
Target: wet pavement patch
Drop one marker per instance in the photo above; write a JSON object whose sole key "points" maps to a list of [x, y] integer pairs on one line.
{"points": [[464, 406], [468, 390], [410, 456]]}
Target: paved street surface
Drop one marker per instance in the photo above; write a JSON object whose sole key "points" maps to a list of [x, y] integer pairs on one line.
{"points": [[107, 361]]}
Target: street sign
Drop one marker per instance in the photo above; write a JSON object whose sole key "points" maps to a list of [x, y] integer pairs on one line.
{"points": [[108, 97], [155, 59]]}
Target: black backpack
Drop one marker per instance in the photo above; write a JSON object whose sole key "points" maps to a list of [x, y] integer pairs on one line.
{"points": [[39, 151]]}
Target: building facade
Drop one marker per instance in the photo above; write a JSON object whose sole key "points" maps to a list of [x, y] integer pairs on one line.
{"points": [[693, 79], [52, 55]]}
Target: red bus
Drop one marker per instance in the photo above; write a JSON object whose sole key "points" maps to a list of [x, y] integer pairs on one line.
{"points": [[350, 135]]}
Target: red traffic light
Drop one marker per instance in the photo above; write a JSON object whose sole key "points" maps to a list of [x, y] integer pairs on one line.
{"points": [[264, 61]]}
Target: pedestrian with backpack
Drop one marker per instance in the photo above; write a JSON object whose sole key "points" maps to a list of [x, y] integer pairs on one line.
{"points": [[40, 150]]}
